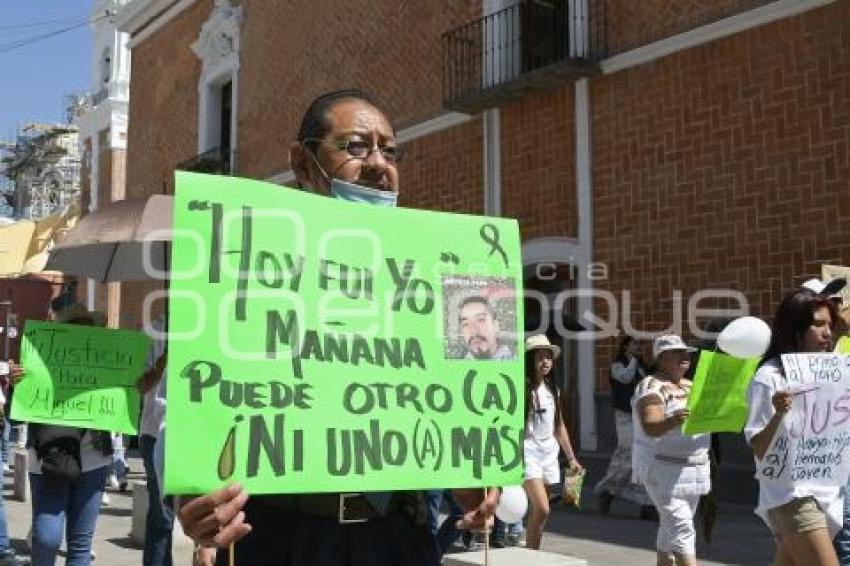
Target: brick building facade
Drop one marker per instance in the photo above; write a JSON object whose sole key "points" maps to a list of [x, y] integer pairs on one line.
{"points": [[696, 145]]}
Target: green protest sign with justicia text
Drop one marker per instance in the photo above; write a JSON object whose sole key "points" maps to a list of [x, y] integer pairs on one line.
{"points": [[80, 376], [317, 345]]}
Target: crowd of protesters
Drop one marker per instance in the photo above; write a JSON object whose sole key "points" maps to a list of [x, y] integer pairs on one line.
{"points": [[346, 148], [810, 525]]}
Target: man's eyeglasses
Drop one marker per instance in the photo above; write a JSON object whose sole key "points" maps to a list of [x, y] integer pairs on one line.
{"points": [[360, 149]]}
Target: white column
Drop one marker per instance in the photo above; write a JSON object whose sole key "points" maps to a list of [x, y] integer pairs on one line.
{"points": [[492, 163], [90, 294], [93, 173], [586, 347]]}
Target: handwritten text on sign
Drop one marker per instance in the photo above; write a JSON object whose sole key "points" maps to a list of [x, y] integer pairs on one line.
{"points": [[810, 448], [333, 346], [81, 376]]}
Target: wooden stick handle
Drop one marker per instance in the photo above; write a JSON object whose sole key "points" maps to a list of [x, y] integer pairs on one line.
{"points": [[486, 538]]}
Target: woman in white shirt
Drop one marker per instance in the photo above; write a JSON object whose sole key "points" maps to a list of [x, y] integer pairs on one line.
{"points": [[545, 433], [803, 519], [673, 467]]}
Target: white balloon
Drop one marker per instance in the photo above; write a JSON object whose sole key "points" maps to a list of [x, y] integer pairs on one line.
{"points": [[745, 337], [512, 505]]}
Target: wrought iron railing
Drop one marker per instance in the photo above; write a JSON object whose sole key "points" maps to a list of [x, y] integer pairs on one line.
{"points": [[531, 35], [211, 161]]}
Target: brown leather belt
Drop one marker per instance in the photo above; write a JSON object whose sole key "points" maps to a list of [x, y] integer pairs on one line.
{"points": [[344, 507]]}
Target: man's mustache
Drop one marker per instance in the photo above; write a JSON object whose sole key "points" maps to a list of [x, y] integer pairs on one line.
{"points": [[476, 337], [380, 183]]}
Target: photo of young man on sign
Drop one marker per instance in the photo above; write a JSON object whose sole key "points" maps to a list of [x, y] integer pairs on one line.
{"points": [[477, 312]]}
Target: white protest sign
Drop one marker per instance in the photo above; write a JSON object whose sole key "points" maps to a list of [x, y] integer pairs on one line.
{"points": [[809, 447]]}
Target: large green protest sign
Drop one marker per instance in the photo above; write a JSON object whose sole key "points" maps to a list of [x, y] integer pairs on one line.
{"points": [[321, 345], [81, 376], [718, 401]]}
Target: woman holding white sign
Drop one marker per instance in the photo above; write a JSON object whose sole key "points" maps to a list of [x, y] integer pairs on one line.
{"points": [[673, 467], [803, 518]]}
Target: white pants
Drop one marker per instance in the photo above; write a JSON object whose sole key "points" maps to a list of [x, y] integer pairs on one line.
{"points": [[676, 531]]}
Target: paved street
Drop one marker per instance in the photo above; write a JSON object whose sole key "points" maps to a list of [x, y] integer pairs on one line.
{"points": [[112, 544], [619, 539], [622, 538]]}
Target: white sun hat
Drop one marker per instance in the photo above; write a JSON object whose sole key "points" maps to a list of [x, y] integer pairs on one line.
{"points": [[541, 342]]}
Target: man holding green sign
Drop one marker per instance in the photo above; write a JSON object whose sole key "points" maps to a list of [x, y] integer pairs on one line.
{"points": [[335, 401]]}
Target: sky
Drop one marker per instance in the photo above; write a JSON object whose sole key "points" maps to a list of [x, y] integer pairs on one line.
{"points": [[35, 78]]}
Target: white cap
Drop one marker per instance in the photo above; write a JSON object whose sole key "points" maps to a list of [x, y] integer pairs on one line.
{"points": [[826, 288], [669, 342]]}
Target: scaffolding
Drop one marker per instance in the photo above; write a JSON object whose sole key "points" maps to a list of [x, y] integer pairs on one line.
{"points": [[41, 170]]}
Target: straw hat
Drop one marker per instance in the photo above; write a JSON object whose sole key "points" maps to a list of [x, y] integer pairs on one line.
{"points": [[541, 342]]}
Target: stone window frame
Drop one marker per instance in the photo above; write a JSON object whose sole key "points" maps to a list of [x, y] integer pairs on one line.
{"points": [[218, 48]]}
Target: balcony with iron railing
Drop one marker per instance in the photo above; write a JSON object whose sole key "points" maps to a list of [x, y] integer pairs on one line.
{"points": [[530, 46], [215, 161]]}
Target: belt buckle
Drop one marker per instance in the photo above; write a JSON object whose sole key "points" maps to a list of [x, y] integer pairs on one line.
{"points": [[343, 497]]}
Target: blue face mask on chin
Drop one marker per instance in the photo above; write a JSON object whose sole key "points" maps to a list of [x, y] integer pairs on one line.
{"points": [[357, 193], [353, 192]]}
